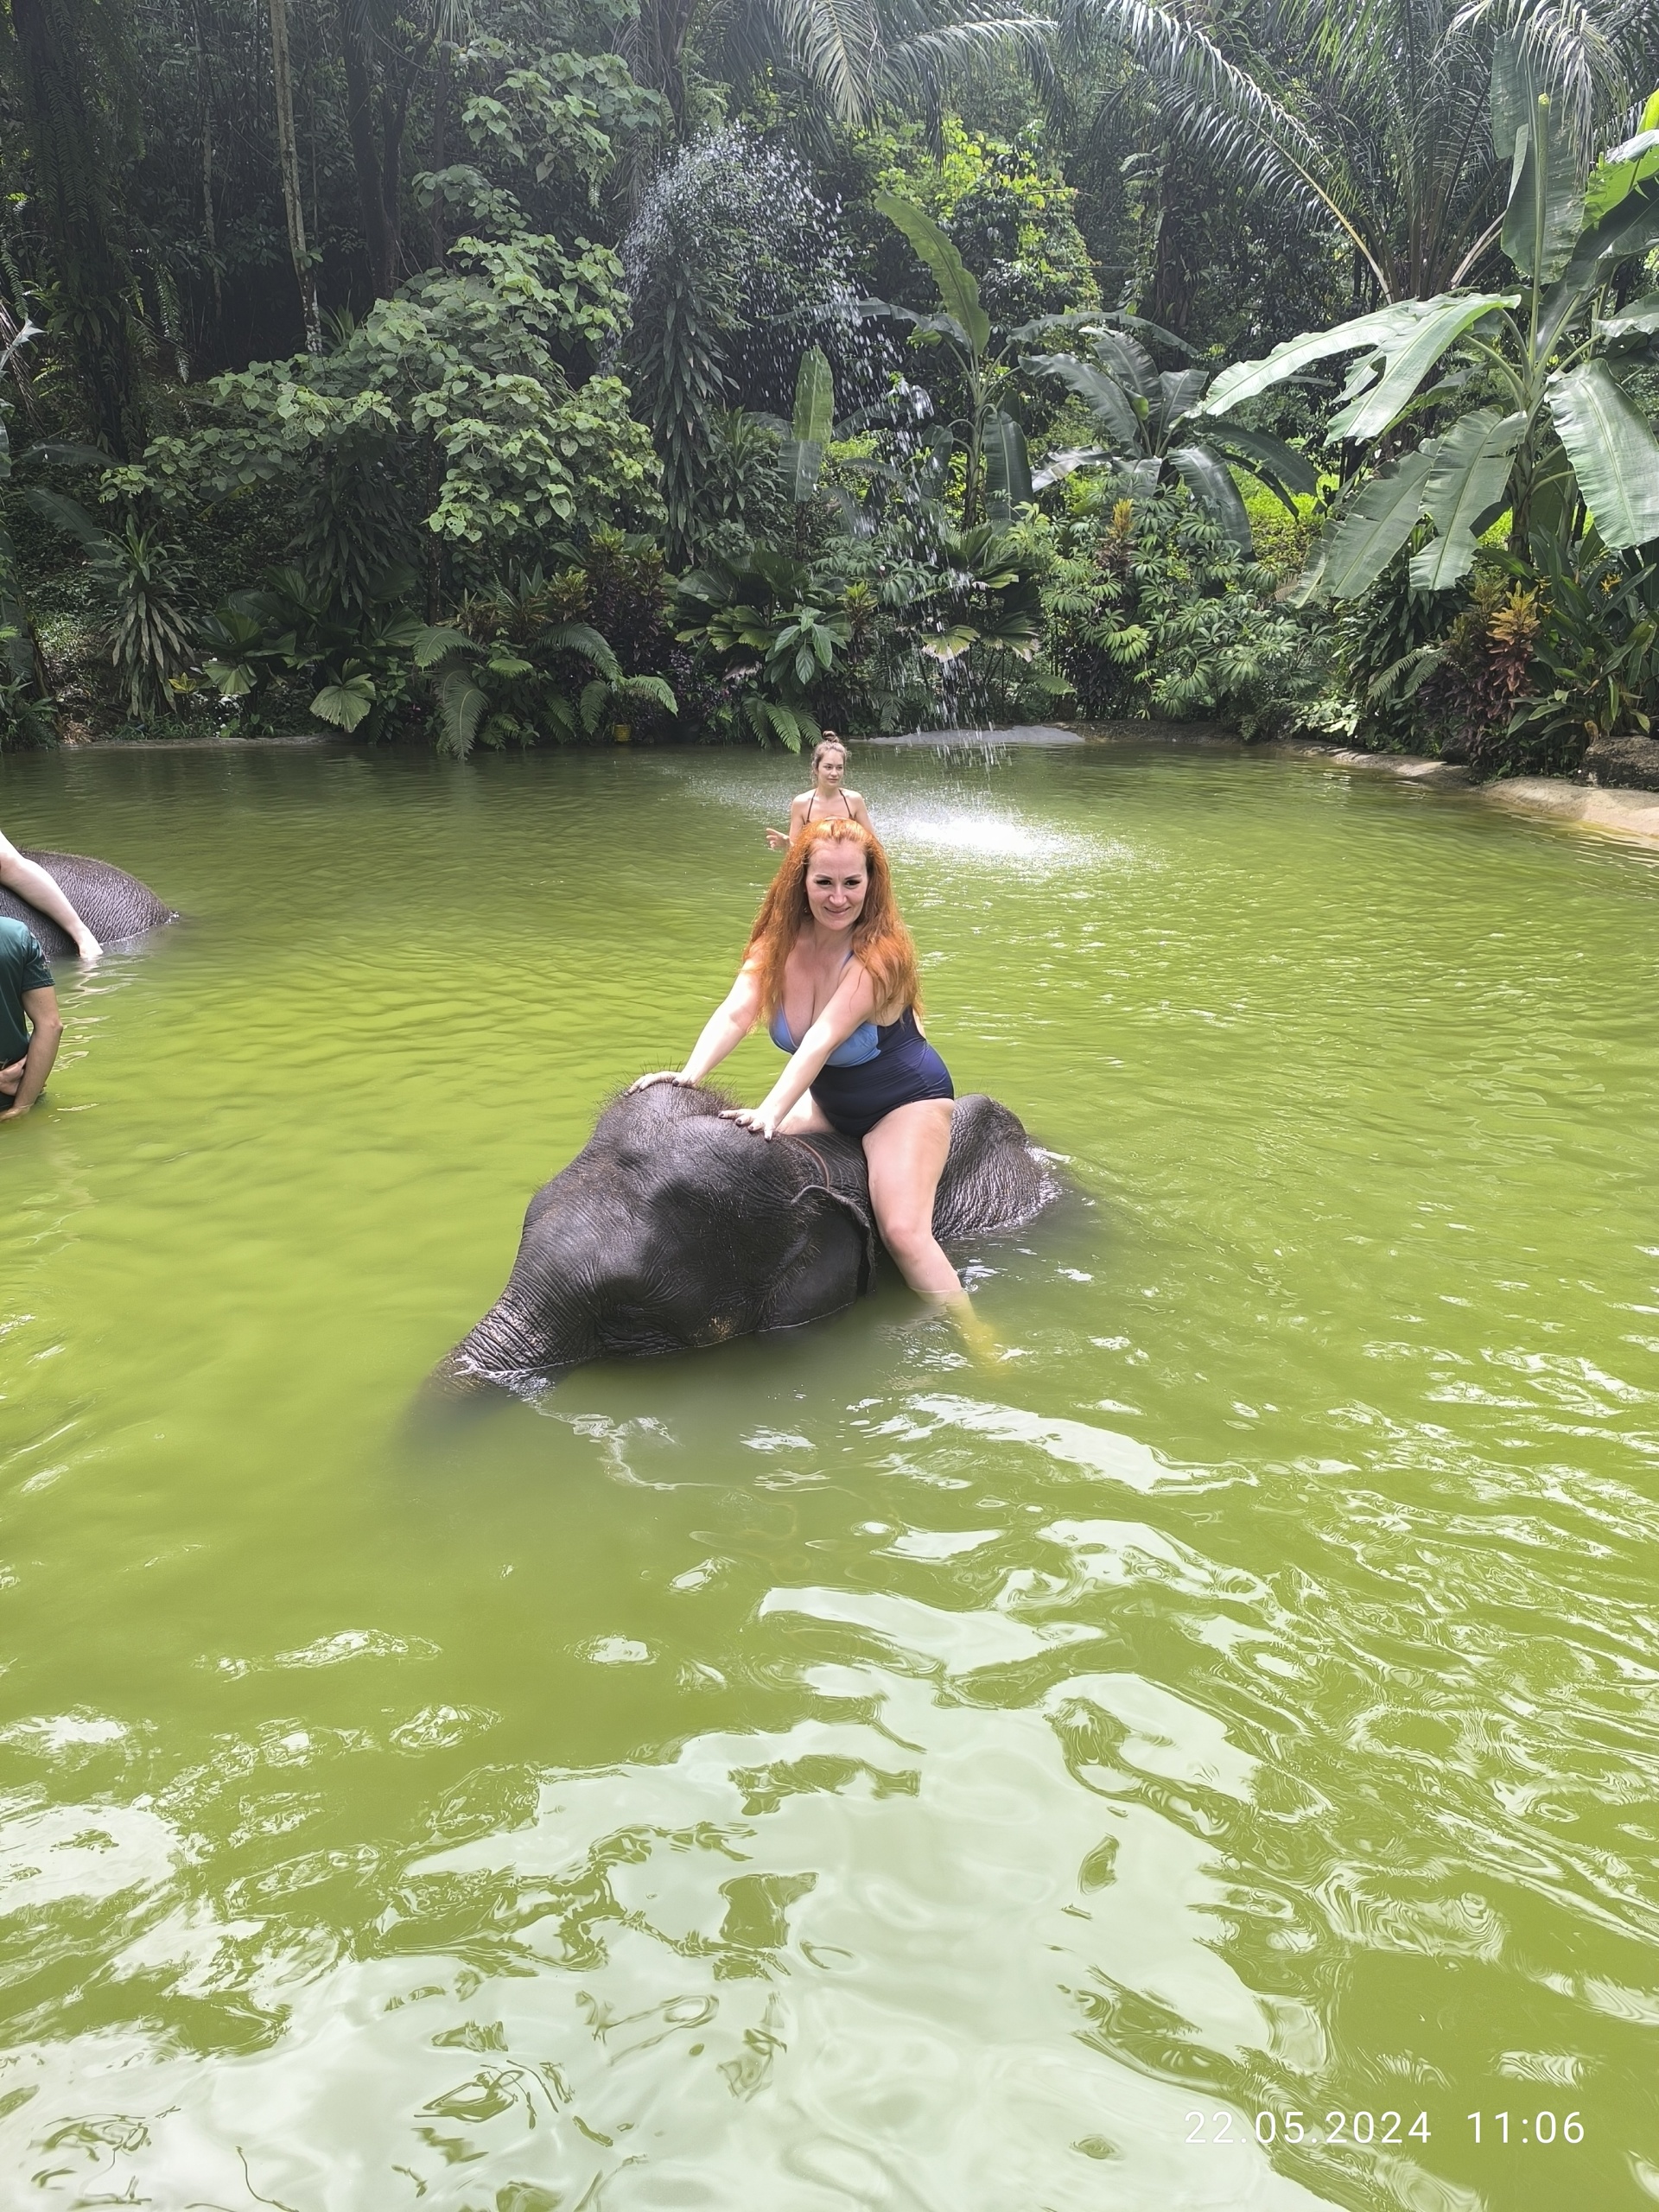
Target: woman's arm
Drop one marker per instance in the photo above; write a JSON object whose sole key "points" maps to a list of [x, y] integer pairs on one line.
{"points": [[724, 1030], [853, 1003], [30, 882], [860, 811], [776, 838]]}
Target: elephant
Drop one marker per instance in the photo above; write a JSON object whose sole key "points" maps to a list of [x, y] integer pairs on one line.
{"points": [[673, 1229], [114, 904]]}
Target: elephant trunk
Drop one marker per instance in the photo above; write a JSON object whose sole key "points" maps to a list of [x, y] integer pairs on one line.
{"points": [[507, 1350]]}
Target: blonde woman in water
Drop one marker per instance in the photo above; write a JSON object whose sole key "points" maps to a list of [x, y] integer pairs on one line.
{"points": [[829, 800]]}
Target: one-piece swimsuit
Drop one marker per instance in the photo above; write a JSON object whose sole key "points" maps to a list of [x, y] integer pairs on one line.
{"points": [[882, 1066]]}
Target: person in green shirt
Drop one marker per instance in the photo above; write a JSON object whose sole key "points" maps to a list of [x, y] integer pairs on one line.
{"points": [[30, 1025]]}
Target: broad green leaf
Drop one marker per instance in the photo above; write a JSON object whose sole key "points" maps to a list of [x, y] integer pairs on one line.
{"points": [[1130, 363], [1103, 393], [1515, 93], [1639, 319], [1008, 469], [1384, 330], [68, 516], [1056, 466], [801, 462], [1466, 484], [1207, 477], [1542, 187], [815, 398], [1280, 466], [958, 288], [1613, 451], [1630, 226], [1356, 548], [1619, 171], [1410, 358], [233, 678], [1178, 392], [345, 704]]}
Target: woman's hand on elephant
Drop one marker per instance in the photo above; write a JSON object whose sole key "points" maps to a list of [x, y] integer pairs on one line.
{"points": [[663, 1075], [763, 1120]]}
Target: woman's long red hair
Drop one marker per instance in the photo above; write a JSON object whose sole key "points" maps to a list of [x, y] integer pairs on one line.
{"points": [[880, 941]]}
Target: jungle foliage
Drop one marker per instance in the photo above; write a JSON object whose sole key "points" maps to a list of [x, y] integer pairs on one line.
{"points": [[512, 372]]}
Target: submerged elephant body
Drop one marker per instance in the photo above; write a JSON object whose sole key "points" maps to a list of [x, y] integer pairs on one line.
{"points": [[673, 1229], [114, 904]]}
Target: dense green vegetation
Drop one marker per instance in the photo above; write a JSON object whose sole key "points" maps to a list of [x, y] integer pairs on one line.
{"points": [[528, 371]]}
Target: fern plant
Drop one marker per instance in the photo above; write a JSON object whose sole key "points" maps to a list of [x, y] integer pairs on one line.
{"points": [[144, 585]]}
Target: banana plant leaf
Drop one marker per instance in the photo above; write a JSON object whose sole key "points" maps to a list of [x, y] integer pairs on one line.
{"points": [[1101, 390], [1057, 465], [1280, 468], [1613, 451], [1639, 319], [801, 453], [1355, 549], [1384, 330], [1623, 167], [1466, 484], [1410, 358], [1008, 469], [1629, 226], [1179, 391], [1130, 363], [1207, 478], [958, 288], [1514, 94], [1542, 183]]}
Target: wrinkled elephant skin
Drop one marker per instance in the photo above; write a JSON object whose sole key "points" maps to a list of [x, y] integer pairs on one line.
{"points": [[114, 904], [673, 1229]]}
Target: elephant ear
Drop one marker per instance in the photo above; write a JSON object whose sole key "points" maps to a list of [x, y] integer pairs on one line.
{"points": [[833, 1169]]}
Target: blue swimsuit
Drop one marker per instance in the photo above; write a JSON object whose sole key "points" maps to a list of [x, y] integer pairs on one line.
{"points": [[877, 1068]]}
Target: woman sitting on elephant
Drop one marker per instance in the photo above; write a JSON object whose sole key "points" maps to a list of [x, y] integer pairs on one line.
{"points": [[831, 967]]}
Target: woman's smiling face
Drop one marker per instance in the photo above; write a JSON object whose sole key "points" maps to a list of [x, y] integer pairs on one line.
{"points": [[836, 880], [832, 768]]}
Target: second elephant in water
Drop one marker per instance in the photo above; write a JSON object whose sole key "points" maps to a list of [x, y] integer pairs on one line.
{"points": [[674, 1229], [114, 905]]}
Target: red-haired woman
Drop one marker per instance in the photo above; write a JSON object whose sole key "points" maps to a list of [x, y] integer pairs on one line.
{"points": [[831, 969]]}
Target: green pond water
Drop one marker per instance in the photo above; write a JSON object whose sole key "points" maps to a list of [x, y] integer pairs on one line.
{"points": [[823, 1773]]}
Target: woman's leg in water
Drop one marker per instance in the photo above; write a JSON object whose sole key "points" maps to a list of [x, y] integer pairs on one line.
{"points": [[906, 1152]]}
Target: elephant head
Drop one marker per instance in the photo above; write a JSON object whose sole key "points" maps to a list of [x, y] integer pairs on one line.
{"points": [[673, 1229]]}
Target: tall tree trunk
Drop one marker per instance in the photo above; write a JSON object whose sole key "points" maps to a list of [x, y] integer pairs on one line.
{"points": [[96, 283], [288, 158], [360, 123], [435, 153], [209, 227]]}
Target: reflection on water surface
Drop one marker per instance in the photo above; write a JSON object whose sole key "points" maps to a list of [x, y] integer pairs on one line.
{"points": [[820, 1774]]}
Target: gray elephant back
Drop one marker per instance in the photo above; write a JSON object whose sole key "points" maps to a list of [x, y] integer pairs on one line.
{"points": [[114, 904]]}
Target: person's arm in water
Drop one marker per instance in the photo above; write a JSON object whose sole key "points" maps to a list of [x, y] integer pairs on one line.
{"points": [[25, 1079], [779, 838], [30, 882], [724, 1030], [853, 1004]]}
